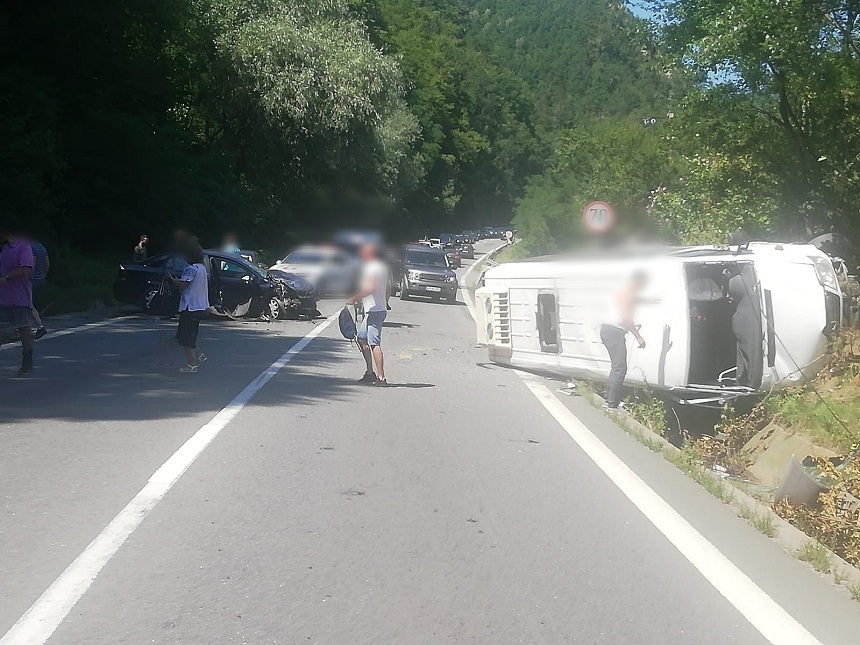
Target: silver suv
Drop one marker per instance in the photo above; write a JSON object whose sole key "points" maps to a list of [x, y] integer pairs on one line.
{"points": [[424, 271]]}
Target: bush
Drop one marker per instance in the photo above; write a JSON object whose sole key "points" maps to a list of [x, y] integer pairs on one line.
{"points": [[76, 282]]}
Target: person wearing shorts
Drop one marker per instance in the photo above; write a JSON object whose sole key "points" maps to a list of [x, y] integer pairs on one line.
{"points": [[373, 296], [16, 292], [193, 288]]}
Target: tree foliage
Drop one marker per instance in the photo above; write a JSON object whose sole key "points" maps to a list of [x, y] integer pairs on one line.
{"points": [[208, 114], [780, 90]]}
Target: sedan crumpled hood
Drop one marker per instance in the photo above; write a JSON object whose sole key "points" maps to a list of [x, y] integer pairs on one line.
{"points": [[298, 284], [309, 271]]}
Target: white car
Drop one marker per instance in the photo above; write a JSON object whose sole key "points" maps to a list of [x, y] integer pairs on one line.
{"points": [[330, 270]]}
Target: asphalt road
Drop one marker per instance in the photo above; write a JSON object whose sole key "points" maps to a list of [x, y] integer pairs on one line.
{"points": [[451, 507]]}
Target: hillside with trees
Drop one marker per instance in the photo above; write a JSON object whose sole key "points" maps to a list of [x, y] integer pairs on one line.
{"points": [[276, 119]]}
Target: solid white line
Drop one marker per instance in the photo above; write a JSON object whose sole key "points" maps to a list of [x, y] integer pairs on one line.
{"points": [[771, 620], [45, 615], [70, 330]]}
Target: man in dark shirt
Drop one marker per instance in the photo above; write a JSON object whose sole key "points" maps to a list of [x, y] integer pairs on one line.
{"points": [[42, 265], [140, 249]]}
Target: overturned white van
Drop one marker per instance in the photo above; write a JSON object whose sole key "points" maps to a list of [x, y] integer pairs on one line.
{"points": [[718, 322]]}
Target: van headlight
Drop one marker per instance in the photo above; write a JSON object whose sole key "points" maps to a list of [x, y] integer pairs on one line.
{"points": [[826, 274]]}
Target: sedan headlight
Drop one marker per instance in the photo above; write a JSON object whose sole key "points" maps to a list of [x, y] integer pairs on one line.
{"points": [[826, 274]]}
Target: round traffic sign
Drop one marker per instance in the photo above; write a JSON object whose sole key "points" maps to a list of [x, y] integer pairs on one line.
{"points": [[598, 217]]}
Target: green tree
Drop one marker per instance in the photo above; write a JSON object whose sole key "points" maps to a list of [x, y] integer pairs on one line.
{"points": [[785, 80]]}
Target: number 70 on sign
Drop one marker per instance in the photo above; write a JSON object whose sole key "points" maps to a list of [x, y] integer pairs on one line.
{"points": [[598, 217]]}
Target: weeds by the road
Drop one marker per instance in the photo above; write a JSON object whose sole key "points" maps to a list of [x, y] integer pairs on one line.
{"points": [[762, 522], [649, 410], [814, 553]]}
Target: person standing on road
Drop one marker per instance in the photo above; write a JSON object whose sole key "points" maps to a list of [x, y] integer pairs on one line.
{"points": [[613, 335], [193, 288], [373, 296], [140, 250], [42, 265], [16, 292]]}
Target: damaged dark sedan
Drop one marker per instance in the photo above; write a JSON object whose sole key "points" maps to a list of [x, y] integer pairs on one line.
{"points": [[237, 288]]}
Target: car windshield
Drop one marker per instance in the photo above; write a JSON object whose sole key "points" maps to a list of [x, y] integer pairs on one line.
{"points": [[304, 257], [427, 258]]}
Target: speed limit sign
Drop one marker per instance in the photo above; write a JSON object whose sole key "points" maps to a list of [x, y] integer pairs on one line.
{"points": [[598, 217]]}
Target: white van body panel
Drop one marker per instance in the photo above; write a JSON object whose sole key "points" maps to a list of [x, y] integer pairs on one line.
{"points": [[507, 315]]}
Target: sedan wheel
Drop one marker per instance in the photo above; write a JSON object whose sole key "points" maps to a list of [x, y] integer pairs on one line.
{"points": [[276, 309]]}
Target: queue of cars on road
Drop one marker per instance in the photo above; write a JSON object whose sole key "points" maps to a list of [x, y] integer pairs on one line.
{"points": [[241, 285]]}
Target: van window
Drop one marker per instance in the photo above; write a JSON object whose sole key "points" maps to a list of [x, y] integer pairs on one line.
{"points": [[547, 322]]}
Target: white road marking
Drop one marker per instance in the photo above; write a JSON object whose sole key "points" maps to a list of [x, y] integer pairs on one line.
{"points": [[70, 330], [47, 613], [771, 620]]}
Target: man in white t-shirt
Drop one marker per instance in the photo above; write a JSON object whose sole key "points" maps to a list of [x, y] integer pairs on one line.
{"points": [[193, 288], [373, 295]]}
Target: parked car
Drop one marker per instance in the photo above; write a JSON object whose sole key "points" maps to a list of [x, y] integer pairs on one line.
{"points": [[236, 287], [330, 270], [467, 251], [423, 271]]}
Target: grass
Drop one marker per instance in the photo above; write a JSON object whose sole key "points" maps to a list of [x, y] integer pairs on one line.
{"points": [[650, 412], [854, 590], [762, 522], [828, 415], [816, 554]]}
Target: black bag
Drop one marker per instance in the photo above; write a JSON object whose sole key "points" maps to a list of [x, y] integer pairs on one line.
{"points": [[347, 324]]}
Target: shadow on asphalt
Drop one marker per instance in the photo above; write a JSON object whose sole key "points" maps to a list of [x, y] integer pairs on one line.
{"points": [[130, 372]]}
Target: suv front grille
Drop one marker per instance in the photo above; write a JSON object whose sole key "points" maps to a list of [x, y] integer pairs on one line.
{"points": [[432, 277]]}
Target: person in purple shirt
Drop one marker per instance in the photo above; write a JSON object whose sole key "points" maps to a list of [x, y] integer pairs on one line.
{"points": [[16, 291]]}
